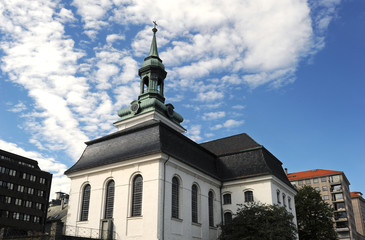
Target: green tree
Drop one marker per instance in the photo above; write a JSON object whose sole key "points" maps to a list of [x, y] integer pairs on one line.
{"points": [[257, 221], [314, 216]]}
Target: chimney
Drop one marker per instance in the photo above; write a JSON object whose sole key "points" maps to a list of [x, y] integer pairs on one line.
{"points": [[286, 171]]}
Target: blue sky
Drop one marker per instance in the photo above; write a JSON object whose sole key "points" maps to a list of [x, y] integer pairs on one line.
{"points": [[290, 73]]}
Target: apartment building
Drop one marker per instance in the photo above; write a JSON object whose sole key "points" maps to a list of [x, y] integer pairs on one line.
{"points": [[334, 189], [358, 203], [24, 194]]}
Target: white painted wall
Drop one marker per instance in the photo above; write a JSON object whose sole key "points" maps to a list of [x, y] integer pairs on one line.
{"points": [[157, 172]]}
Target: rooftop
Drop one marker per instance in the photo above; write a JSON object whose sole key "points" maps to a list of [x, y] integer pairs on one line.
{"points": [[311, 174]]}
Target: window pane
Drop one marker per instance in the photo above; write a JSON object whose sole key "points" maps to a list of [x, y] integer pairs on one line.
{"points": [[175, 198], [109, 201], [248, 196], [227, 198], [85, 203], [227, 218], [137, 196], [194, 203], [210, 206]]}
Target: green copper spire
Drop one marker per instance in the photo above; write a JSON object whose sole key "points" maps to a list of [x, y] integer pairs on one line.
{"points": [[153, 49], [151, 97]]}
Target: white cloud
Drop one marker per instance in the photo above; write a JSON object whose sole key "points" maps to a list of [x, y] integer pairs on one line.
{"points": [[194, 132], [59, 181], [230, 123], [214, 115], [114, 37], [19, 107]]}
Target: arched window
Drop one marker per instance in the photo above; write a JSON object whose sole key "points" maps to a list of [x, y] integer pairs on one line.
{"points": [[85, 203], [175, 197], [194, 204], [248, 196], [227, 217], [137, 196], [109, 200], [284, 199], [211, 208]]}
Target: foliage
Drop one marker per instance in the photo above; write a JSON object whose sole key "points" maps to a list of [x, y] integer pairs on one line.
{"points": [[260, 221], [314, 216]]}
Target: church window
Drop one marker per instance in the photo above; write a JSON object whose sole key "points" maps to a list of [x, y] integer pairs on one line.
{"points": [[194, 204], [137, 196], [227, 217], [248, 196], [175, 198], [289, 202], [85, 203], [109, 200], [278, 196], [284, 199], [227, 198], [211, 208]]}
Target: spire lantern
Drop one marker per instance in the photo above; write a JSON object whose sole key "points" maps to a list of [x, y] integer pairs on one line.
{"points": [[151, 100]]}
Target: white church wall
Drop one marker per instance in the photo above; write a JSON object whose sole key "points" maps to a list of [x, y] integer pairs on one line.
{"points": [[184, 228], [125, 226]]}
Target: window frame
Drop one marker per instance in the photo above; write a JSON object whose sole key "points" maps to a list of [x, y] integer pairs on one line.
{"points": [[227, 198], [109, 199], [85, 203], [211, 208], [137, 195], [175, 197], [249, 196], [194, 204]]}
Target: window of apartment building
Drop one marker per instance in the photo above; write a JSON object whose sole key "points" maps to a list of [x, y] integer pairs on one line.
{"points": [[278, 196], [227, 198], [323, 179], [317, 189], [30, 190], [32, 178], [300, 182], [339, 206], [335, 178], [85, 203], [248, 196], [16, 215], [36, 219], [137, 196], [307, 181], [342, 224], [337, 196], [324, 188], [315, 180], [175, 198], [194, 204], [211, 208], [18, 202], [26, 217], [336, 188], [326, 197], [20, 188], [28, 204], [38, 206], [42, 180], [40, 193], [339, 215]]}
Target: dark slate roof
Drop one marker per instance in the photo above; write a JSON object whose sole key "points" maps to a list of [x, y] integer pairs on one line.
{"points": [[240, 157], [231, 144], [142, 140], [225, 159]]}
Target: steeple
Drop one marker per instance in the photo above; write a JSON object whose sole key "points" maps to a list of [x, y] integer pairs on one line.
{"points": [[151, 100]]}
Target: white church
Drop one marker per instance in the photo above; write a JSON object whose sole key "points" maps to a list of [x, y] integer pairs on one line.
{"points": [[149, 181]]}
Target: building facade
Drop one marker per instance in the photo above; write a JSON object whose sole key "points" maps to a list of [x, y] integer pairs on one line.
{"points": [[149, 181], [335, 190], [24, 194], [358, 204]]}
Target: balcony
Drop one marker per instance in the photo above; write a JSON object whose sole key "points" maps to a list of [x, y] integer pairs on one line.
{"points": [[90, 233]]}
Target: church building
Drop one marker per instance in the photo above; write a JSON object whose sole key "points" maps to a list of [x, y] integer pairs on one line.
{"points": [[149, 181]]}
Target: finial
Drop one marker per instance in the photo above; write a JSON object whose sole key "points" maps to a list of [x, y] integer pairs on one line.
{"points": [[154, 29]]}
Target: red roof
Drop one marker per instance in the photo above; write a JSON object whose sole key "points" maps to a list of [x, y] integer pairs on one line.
{"points": [[355, 194], [311, 174]]}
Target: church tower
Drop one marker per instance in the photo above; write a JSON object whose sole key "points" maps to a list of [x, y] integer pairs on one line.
{"points": [[151, 100]]}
